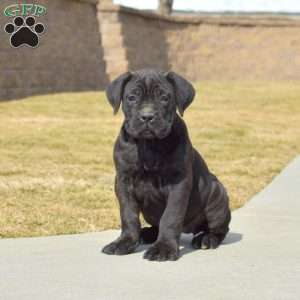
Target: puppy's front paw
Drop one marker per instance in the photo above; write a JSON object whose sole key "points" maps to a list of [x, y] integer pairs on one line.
{"points": [[161, 252], [120, 247], [206, 241]]}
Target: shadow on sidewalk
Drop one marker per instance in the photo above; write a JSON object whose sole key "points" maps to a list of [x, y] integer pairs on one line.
{"points": [[186, 239]]}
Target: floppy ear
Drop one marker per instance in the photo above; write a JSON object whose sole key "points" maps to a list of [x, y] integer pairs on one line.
{"points": [[114, 92], [184, 91]]}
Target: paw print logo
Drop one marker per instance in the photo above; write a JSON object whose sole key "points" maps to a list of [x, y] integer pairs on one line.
{"points": [[24, 32]]}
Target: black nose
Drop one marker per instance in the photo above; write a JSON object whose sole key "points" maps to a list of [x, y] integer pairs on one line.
{"points": [[147, 116]]}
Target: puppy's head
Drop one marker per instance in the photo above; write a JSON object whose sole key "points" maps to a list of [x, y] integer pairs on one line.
{"points": [[149, 101]]}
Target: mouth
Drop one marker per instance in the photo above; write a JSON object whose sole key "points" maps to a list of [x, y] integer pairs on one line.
{"points": [[147, 133], [150, 133]]}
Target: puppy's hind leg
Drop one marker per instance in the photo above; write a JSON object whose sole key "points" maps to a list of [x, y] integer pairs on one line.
{"points": [[218, 218], [148, 235]]}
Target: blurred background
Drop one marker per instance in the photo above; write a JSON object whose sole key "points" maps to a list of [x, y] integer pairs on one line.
{"points": [[56, 168], [89, 42]]}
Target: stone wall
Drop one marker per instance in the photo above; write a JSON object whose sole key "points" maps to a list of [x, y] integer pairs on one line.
{"points": [[222, 52], [69, 57], [210, 47], [86, 45]]}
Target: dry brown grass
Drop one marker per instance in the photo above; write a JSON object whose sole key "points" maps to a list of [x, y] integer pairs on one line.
{"points": [[56, 172]]}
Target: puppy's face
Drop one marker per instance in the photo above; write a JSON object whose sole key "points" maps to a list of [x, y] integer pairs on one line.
{"points": [[149, 101], [149, 105]]}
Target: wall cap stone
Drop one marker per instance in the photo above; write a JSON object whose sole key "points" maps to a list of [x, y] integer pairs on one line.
{"points": [[212, 19], [89, 1]]}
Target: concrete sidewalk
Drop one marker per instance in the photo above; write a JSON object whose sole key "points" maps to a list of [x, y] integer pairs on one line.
{"points": [[260, 259]]}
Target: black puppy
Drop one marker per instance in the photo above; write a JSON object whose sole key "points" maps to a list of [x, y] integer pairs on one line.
{"points": [[159, 173]]}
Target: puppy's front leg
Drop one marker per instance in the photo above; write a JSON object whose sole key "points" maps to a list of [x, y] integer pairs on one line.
{"points": [[130, 223], [167, 245]]}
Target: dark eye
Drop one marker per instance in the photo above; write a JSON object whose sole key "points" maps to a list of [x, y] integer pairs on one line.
{"points": [[164, 98], [131, 98]]}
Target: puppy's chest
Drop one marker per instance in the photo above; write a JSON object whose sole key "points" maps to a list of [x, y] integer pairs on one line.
{"points": [[148, 188], [143, 161]]}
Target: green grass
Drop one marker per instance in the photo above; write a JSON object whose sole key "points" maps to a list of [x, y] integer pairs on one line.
{"points": [[56, 171]]}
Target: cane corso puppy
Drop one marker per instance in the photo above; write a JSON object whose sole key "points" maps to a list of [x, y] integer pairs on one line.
{"points": [[159, 173]]}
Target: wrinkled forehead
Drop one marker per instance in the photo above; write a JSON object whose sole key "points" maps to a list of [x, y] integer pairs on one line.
{"points": [[148, 82]]}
